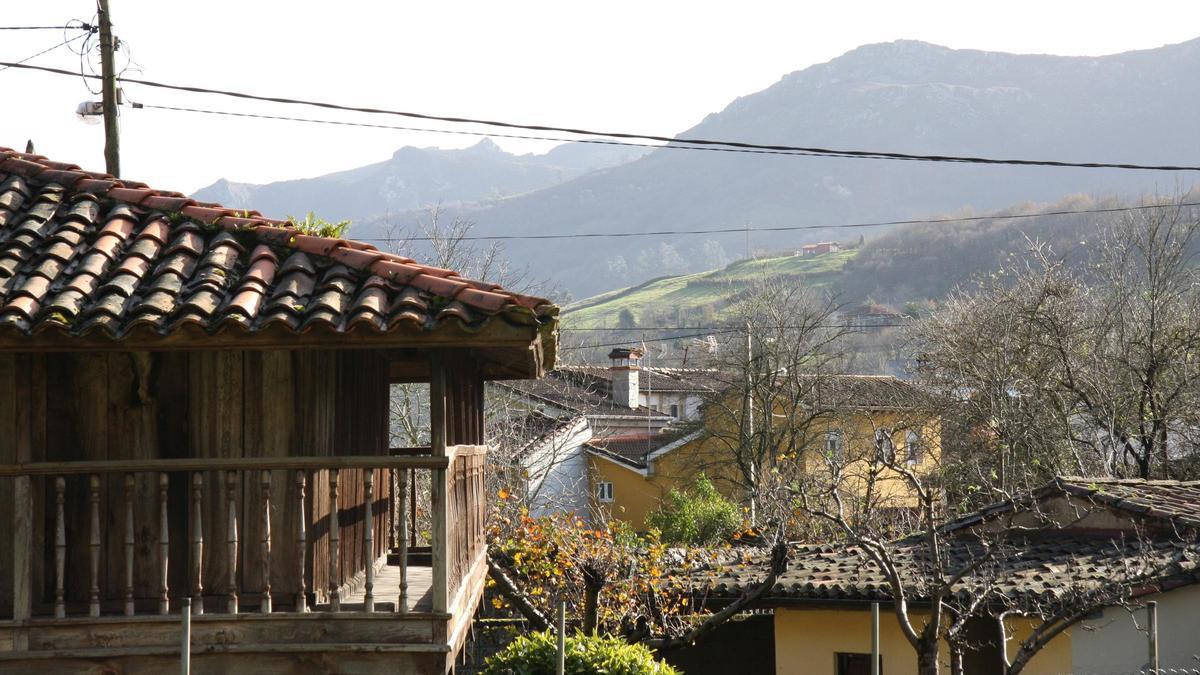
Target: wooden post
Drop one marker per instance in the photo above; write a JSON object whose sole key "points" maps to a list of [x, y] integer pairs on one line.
{"points": [[265, 480], [197, 542], [129, 486], [335, 540], [94, 545], [60, 547], [164, 545], [108, 88], [402, 540], [231, 541], [22, 556], [301, 544], [369, 539], [1152, 634], [439, 503]]}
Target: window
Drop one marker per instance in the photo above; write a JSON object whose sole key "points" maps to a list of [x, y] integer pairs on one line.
{"points": [[916, 454], [854, 664], [883, 445], [833, 444], [604, 491], [675, 410]]}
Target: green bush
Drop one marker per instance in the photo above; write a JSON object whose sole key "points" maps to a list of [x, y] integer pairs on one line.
{"points": [[534, 654], [699, 516]]}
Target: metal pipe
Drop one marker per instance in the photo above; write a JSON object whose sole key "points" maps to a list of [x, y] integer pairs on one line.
{"points": [[875, 656], [1152, 634], [560, 660], [185, 646]]}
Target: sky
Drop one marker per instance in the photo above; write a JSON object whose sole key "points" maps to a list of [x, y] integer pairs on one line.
{"points": [[648, 67]]}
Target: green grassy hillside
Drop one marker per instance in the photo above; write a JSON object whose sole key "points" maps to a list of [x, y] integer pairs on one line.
{"points": [[703, 290]]}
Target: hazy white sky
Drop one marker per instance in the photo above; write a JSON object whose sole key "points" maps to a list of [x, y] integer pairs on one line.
{"points": [[649, 66]]}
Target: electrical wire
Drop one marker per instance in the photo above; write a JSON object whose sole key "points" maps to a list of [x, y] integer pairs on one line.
{"points": [[82, 27], [44, 51], [735, 328], [834, 152], [461, 132], [793, 228], [724, 331]]}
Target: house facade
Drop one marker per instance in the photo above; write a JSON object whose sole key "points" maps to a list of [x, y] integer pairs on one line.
{"points": [[194, 422], [850, 416]]}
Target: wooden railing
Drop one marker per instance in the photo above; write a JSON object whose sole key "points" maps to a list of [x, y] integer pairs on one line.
{"points": [[234, 534], [466, 511]]}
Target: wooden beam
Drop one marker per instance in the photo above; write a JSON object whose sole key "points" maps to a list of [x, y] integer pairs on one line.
{"points": [[223, 464], [22, 557], [439, 502]]}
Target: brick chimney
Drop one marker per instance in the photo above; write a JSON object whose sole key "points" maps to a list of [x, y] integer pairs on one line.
{"points": [[625, 375]]}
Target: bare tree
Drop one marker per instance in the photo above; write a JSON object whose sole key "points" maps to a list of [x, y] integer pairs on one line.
{"points": [[1089, 371], [766, 402]]}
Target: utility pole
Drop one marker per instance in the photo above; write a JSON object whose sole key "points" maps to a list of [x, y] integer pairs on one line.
{"points": [[748, 446], [109, 91]]}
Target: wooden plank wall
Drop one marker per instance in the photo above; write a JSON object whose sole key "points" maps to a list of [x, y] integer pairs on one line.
{"points": [[74, 406]]}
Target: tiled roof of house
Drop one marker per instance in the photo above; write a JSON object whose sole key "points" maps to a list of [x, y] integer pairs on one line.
{"points": [[675, 380], [1043, 564], [1038, 568], [84, 254], [585, 400], [1176, 503], [633, 449]]}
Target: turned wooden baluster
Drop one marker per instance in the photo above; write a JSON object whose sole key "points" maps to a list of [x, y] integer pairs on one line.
{"points": [[197, 543], [129, 485], [94, 545], [335, 538], [369, 538], [301, 544], [164, 542], [60, 546], [231, 481], [265, 479], [402, 539]]}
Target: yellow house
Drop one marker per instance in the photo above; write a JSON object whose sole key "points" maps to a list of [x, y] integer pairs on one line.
{"points": [[821, 603], [847, 421]]}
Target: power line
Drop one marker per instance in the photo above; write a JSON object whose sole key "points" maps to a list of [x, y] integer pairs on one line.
{"points": [[44, 51], [792, 228], [461, 132], [82, 26], [857, 154], [727, 328]]}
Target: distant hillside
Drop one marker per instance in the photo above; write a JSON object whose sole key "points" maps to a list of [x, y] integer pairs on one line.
{"points": [[702, 296], [901, 96], [419, 178]]}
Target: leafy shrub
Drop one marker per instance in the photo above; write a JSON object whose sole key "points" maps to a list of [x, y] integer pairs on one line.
{"points": [[698, 516], [534, 654]]}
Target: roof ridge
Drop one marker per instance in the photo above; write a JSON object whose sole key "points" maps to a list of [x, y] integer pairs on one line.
{"points": [[353, 254]]}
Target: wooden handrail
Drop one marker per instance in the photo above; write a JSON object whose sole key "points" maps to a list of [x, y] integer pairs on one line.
{"points": [[222, 464]]}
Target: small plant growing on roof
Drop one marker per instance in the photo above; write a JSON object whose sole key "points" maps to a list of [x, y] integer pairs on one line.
{"points": [[534, 654], [319, 227]]}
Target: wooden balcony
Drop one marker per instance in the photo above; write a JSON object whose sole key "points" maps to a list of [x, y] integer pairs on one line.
{"points": [[290, 563]]}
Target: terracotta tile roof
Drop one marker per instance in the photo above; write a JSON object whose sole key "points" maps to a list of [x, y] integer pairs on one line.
{"points": [[1044, 564], [584, 400], [84, 254], [675, 380], [1039, 568], [633, 449], [1175, 503]]}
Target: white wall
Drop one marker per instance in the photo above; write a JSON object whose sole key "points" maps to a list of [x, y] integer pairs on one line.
{"points": [[558, 473], [1113, 645]]}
